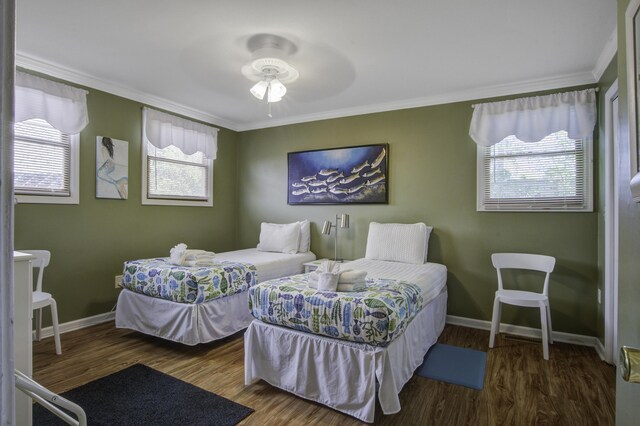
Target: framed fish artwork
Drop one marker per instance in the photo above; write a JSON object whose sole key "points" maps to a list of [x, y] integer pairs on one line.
{"points": [[350, 175]]}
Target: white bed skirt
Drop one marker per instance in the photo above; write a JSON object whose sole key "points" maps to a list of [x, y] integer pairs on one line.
{"points": [[340, 374], [186, 323]]}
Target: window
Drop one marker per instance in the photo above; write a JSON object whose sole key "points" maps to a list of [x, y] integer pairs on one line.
{"points": [[553, 174], [45, 163], [171, 174], [177, 160]]}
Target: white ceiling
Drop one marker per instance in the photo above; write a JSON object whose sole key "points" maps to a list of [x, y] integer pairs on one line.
{"points": [[354, 56]]}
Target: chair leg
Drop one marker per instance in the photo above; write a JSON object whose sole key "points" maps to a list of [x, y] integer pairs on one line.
{"points": [[545, 331], [549, 323], [54, 321], [495, 321], [38, 323]]}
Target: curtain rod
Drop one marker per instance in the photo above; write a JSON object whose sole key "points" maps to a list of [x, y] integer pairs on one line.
{"points": [[597, 89]]}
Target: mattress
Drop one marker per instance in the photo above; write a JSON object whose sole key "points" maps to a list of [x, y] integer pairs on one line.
{"points": [[430, 277], [161, 279], [269, 265], [395, 293]]}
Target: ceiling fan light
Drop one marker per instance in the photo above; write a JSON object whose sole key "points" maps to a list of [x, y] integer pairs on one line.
{"points": [[276, 90], [259, 89]]}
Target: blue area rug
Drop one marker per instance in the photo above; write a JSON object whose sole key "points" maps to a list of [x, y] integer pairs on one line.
{"points": [[140, 396], [452, 364]]}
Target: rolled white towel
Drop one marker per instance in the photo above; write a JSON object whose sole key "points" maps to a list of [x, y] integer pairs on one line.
{"points": [[352, 276], [330, 266], [313, 279], [355, 286], [327, 281]]}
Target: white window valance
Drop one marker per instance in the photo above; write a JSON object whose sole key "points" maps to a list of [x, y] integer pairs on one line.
{"points": [[162, 130], [62, 106], [532, 119]]}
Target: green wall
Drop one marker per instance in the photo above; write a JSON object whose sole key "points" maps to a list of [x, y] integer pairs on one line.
{"points": [[627, 395], [90, 241], [432, 179]]}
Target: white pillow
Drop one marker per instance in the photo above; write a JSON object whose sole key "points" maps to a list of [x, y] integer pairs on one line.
{"points": [[305, 236], [426, 244], [398, 242], [282, 238]]}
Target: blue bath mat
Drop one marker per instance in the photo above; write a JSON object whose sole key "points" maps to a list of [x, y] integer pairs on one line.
{"points": [[452, 364]]}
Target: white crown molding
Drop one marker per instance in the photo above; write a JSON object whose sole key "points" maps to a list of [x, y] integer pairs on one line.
{"points": [[467, 95], [64, 73], [77, 77], [575, 339], [607, 54]]}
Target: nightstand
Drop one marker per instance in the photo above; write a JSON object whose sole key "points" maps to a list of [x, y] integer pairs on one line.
{"points": [[312, 266]]}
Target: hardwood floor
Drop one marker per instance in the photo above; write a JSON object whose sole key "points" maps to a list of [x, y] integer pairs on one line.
{"points": [[573, 388]]}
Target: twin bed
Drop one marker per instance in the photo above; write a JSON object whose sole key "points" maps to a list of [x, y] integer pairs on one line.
{"points": [[193, 305], [341, 349]]}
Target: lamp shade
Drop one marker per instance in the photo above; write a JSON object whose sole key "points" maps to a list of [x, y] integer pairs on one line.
{"points": [[259, 89], [276, 90], [344, 220], [326, 228]]}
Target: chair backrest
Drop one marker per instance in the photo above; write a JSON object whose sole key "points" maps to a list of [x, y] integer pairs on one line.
{"points": [[532, 262], [40, 262]]}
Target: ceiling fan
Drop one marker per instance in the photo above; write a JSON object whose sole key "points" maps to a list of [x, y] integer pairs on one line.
{"points": [[268, 68]]}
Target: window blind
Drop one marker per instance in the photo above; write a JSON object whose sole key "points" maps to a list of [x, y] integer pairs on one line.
{"points": [[551, 174], [41, 159], [172, 174]]}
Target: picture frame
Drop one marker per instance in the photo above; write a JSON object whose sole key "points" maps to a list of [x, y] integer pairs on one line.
{"points": [[346, 175], [632, 28], [112, 168]]}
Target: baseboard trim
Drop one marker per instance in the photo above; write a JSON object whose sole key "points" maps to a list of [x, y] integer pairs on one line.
{"points": [[600, 350], [518, 330], [77, 324]]}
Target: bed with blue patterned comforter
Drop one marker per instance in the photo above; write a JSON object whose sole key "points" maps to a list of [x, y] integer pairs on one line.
{"points": [[162, 279], [374, 316]]}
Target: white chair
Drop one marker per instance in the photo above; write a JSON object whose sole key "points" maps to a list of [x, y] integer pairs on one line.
{"points": [[533, 262], [42, 299]]}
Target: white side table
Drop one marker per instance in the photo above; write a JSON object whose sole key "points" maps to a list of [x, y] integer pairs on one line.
{"points": [[312, 266]]}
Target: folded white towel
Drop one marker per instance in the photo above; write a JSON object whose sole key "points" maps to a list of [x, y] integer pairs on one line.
{"points": [[327, 281], [351, 276], [179, 255], [198, 263], [356, 286]]}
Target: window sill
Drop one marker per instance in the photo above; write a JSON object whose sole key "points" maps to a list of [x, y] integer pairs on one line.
{"points": [[46, 199], [180, 203]]}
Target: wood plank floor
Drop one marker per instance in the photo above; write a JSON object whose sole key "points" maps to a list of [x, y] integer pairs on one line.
{"points": [[573, 388]]}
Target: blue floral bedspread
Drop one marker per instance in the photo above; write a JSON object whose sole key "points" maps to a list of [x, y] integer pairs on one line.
{"points": [[161, 279], [375, 316]]}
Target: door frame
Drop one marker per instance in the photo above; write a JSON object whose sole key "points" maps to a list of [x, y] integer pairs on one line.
{"points": [[611, 215]]}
